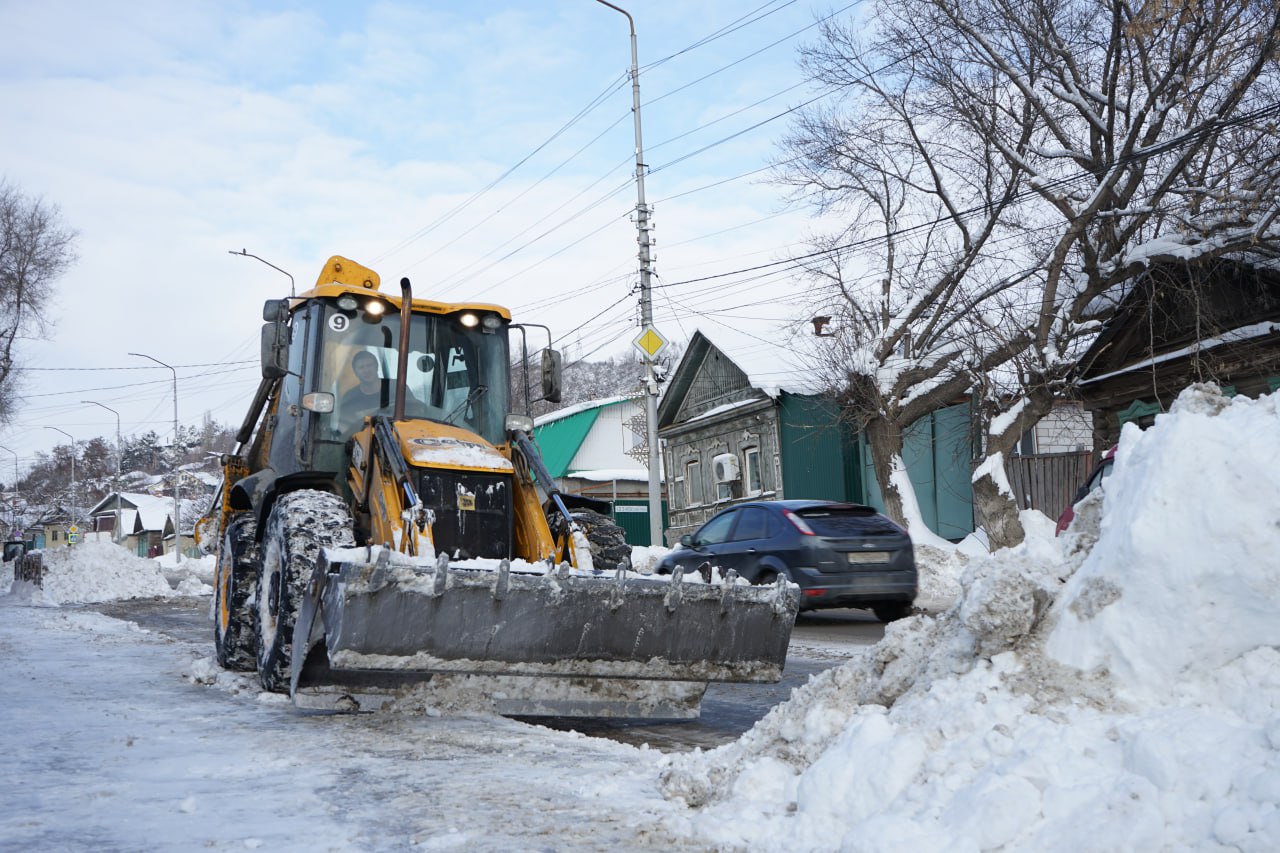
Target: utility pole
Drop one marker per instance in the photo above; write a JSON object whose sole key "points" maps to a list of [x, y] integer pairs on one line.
{"points": [[13, 524], [646, 304], [73, 471], [177, 520], [115, 530]]}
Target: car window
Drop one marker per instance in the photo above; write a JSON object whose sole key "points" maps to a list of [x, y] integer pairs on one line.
{"points": [[716, 530], [753, 523], [846, 520], [1103, 472]]}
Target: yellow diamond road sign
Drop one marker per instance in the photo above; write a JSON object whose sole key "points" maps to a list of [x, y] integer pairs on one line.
{"points": [[650, 342]]}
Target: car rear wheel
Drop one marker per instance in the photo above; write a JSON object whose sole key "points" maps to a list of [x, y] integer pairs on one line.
{"points": [[892, 612], [770, 576]]}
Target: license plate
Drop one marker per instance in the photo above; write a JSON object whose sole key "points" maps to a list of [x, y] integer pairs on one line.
{"points": [[862, 558]]}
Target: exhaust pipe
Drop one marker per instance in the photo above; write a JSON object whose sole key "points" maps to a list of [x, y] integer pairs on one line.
{"points": [[402, 362]]}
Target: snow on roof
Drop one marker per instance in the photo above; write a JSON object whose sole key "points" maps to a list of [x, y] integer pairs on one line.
{"points": [[727, 407], [576, 408], [1244, 333], [604, 475], [154, 512], [771, 367]]}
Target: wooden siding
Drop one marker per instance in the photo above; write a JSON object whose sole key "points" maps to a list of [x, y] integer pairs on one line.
{"points": [[1048, 481], [718, 381]]}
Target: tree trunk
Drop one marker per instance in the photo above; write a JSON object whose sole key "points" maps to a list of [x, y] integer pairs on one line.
{"points": [[996, 510], [884, 437]]}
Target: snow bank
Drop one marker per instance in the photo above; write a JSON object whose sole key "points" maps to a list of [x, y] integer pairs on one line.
{"points": [[1187, 580], [644, 558], [1117, 688], [95, 571]]}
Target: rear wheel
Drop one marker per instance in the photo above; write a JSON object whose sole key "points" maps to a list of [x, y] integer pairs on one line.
{"points": [[300, 525], [769, 576], [235, 596], [892, 611]]}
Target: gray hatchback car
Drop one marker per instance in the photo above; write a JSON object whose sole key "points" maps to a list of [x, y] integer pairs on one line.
{"points": [[840, 554]]}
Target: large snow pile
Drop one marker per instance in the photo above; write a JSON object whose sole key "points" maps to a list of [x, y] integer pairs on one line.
{"points": [[1115, 689], [95, 571]]}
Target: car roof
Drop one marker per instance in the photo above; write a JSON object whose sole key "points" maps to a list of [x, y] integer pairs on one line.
{"points": [[799, 503]]}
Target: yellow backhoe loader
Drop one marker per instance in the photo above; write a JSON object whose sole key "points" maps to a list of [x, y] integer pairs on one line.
{"points": [[386, 524]]}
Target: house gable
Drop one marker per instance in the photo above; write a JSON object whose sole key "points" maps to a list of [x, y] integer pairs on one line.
{"points": [[705, 380]]}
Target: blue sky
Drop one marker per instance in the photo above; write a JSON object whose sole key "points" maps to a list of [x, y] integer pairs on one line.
{"points": [[170, 134]]}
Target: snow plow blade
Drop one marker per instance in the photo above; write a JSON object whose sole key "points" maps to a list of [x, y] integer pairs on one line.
{"points": [[578, 643]]}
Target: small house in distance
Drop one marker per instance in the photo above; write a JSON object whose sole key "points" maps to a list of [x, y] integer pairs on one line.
{"points": [[49, 530], [146, 522], [599, 449]]}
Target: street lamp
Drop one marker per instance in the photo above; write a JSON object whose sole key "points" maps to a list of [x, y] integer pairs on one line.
{"points": [[73, 471], [177, 520], [115, 533], [646, 300], [244, 253]]}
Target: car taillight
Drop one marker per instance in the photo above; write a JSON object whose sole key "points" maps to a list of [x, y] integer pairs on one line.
{"points": [[797, 522]]}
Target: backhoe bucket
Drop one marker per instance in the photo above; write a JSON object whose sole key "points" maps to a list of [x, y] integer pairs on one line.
{"points": [[541, 640]]}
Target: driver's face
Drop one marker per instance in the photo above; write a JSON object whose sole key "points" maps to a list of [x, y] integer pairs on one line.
{"points": [[366, 368]]}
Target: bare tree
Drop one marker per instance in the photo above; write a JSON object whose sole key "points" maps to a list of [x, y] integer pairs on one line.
{"points": [[1005, 166], [36, 248]]}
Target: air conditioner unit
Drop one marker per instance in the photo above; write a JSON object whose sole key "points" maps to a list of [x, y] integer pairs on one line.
{"points": [[726, 468]]}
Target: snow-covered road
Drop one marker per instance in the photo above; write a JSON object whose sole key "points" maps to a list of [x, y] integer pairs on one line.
{"points": [[110, 743]]}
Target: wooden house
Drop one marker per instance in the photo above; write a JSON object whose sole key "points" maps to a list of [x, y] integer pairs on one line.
{"points": [[1215, 321], [730, 437]]}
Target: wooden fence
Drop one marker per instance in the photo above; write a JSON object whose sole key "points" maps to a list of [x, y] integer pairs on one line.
{"points": [[1048, 481]]}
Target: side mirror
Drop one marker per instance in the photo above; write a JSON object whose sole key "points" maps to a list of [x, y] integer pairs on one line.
{"points": [[275, 350], [275, 338], [687, 540], [551, 367], [275, 311]]}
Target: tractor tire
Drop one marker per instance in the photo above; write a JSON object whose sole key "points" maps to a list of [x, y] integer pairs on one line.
{"points": [[608, 542], [236, 596], [301, 524]]}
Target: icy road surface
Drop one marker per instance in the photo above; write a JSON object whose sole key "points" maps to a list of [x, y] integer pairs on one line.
{"points": [[111, 743]]}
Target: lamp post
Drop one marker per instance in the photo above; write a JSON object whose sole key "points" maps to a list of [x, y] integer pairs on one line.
{"points": [[244, 253], [177, 520], [13, 524], [646, 301], [73, 471], [115, 530]]}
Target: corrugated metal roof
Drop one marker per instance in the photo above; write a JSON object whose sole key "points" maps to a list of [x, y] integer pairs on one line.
{"points": [[560, 439]]}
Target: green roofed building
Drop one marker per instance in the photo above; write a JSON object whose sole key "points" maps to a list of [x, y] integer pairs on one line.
{"points": [[598, 449]]}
